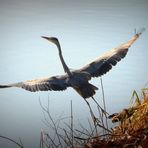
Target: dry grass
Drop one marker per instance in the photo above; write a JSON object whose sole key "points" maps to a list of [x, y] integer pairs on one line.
{"points": [[132, 130]]}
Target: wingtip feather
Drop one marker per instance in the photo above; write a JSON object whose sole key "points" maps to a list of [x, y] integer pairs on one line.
{"points": [[140, 31], [4, 86]]}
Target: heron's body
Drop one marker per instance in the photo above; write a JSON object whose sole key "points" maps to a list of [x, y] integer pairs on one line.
{"points": [[78, 79]]}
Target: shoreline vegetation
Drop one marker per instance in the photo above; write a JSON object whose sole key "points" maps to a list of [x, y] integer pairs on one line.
{"points": [[131, 128]]}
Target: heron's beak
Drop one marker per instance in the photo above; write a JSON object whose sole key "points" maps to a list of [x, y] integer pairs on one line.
{"points": [[47, 38], [51, 39]]}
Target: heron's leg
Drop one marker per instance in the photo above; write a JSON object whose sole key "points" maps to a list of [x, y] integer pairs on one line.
{"points": [[91, 112], [103, 111]]}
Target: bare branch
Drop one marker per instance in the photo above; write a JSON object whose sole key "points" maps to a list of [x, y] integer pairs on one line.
{"points": [[18, 144]]}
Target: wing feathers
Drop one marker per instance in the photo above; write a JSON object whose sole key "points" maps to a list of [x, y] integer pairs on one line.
{"points": [[105, 62], [54, 83]]}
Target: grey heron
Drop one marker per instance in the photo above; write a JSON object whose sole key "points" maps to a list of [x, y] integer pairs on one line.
{"points": [[78, 79]]}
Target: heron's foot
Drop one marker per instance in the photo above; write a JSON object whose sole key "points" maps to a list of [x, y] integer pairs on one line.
{"points": [[104, 112], [95, 119]]}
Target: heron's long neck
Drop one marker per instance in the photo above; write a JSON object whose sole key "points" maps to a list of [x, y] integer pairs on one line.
{"points": [[66, 69]]}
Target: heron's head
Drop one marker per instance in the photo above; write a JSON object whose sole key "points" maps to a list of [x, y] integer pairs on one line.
{"points": [[52, 40]]}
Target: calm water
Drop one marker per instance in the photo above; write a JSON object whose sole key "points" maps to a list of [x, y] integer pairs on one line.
{"points": [[85, 28]]}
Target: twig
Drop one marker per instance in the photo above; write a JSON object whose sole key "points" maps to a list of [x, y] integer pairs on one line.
{"points": [[104, 104], [7, 138], [90, 126], [71, 123], [66, 134], [52, 140], [20, 141], [104, 128], [82, 132], [46, 110]]}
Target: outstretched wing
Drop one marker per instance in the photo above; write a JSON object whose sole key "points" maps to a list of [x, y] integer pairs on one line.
{"points": [[105, 62], [56, 83]]}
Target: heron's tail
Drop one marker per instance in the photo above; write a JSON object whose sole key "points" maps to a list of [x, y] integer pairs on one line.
{"points": [[86, 90]]}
